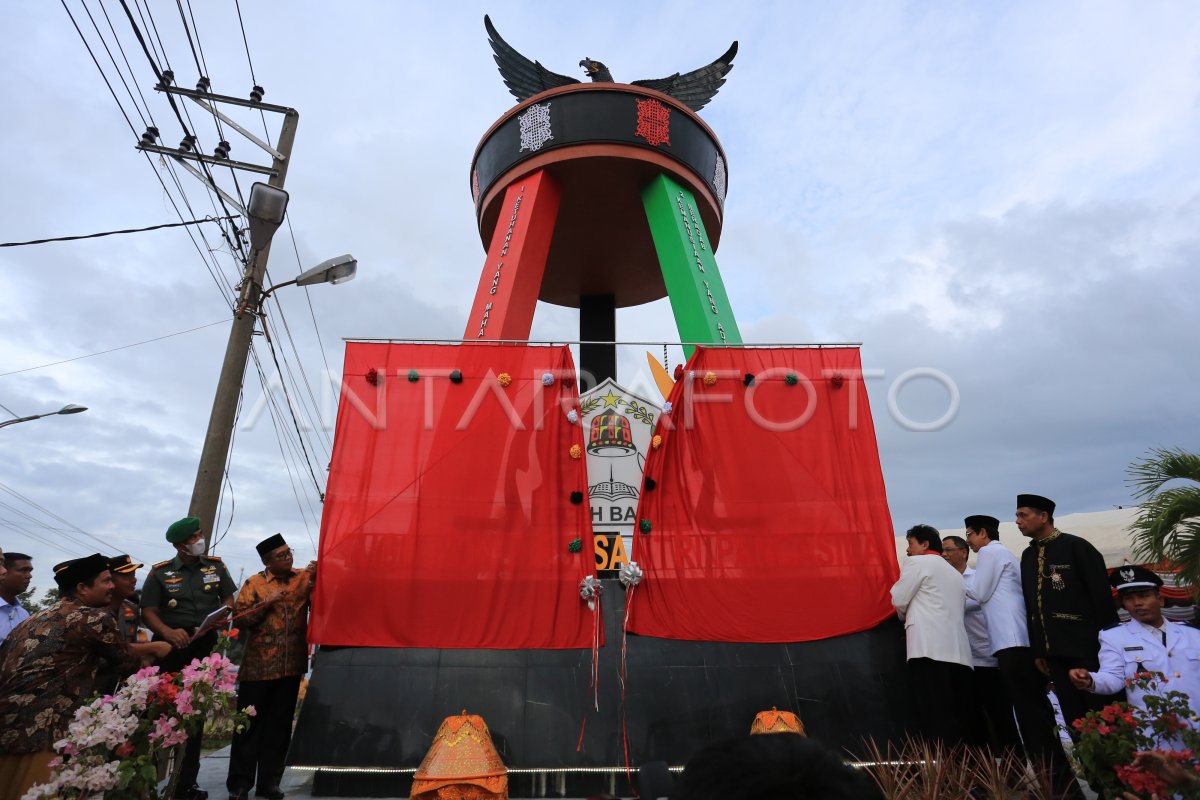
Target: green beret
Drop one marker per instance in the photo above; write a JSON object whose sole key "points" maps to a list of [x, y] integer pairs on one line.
{"points": [[183, 530]]}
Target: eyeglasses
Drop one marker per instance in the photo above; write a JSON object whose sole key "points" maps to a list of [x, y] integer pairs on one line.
{"points": [[286, 554]]}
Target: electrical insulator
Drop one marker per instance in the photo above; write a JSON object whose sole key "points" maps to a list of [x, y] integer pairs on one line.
{"points": [[150, 136], [203, 84], [222, 149], [256, 94]]}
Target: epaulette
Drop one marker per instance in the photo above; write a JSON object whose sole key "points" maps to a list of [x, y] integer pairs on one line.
{"points": [[162, 563], [1113, 627], [213, 558]]}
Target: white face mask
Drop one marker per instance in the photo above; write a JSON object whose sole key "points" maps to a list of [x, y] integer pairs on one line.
{"points": [[195, 549]]}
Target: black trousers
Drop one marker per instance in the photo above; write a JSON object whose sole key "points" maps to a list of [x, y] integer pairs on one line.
{"points": [[992, 712], [940, 721], [1035, 717], [174, 661], [262, 748]]}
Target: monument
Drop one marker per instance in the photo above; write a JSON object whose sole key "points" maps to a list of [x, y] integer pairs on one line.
{"points": [[605, 578]]}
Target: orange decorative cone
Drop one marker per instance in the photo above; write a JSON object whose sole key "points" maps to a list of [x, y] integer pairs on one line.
{"points": [[462, 763], [775, 721]]}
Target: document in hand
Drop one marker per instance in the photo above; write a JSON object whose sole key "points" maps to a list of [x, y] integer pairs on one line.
{"points": [[213, 620]]}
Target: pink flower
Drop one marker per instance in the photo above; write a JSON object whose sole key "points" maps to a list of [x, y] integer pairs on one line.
{"points": [[144, 672], [183, 702]]}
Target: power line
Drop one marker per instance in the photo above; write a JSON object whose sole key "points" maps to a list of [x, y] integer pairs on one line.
{"points": [[120, 75], [156, 58], [56, 517], [319, 422], [242, 25], [104, 77], [165, 80], [188, 32], [114, 349], [125, 58], [18, 528], [275, 415], [312, 313], [114, 233], [61, 533], [99, 68], [296, 423]]}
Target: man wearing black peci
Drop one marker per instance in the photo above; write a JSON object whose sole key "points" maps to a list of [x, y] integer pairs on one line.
{"points": [[1068, 601]]}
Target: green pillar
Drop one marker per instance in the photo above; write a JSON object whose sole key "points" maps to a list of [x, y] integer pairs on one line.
{"points": [[698, 299]]}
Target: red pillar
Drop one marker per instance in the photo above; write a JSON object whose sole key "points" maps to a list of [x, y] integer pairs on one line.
{"points": [[512, 275]]}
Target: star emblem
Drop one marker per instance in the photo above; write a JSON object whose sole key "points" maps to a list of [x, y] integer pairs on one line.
{"points": [[611, 399]]}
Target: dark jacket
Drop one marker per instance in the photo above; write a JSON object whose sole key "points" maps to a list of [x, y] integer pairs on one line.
{"points": [[1068, 599]]}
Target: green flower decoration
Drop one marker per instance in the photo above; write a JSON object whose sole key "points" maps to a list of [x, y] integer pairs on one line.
{"points": [[413, 376], [576, 545], [644, 526], [791, 379]]}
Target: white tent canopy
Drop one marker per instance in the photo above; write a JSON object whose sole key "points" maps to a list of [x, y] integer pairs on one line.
{"points": [[1107, 530]]}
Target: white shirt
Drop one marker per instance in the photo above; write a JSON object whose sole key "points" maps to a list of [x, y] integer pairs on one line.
{"points": [[11, 615], [929, 597], [996, 585], [977, 631], [1132, 647]]}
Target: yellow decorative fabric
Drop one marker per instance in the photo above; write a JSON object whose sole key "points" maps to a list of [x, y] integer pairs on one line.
{"points": [[462, 764], [775, 721]]}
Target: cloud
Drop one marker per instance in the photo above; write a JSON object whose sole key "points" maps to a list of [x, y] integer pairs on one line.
{"points": [[1007, 194]]}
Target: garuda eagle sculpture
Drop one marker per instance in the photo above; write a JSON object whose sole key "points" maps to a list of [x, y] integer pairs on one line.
{"points": [[525, 78]]}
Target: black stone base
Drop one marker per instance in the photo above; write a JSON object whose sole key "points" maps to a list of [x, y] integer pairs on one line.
{"points": [[380, 707]]}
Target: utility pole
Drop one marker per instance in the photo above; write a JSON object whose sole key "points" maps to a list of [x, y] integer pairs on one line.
{"points": [[211, 471]]}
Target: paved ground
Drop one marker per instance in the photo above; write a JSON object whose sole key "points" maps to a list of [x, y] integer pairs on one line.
{"points": [[296, 783], [214, 767]]}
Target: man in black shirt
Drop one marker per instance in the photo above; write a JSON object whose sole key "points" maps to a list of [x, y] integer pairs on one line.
{"points": [[1068, 601]]}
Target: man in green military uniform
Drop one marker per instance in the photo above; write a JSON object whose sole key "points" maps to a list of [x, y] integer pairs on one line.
{"points": [[178, 595]]}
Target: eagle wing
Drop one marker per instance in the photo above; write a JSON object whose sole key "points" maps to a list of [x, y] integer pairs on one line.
{"points": [[697, 87], [524, 78]]}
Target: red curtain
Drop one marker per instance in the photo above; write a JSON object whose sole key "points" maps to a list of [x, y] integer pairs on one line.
{"points": [[768, 519], [448, 520]]}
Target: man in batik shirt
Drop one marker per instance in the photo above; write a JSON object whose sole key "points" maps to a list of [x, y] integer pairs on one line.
{"points": [[48, 668], [273, 608]]}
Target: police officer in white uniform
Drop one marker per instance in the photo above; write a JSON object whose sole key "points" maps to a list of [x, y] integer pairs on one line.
{"points": [[1149, 642]]}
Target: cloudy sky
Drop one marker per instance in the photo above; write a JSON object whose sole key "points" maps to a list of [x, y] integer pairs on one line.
{"points": [[1008, 194]]}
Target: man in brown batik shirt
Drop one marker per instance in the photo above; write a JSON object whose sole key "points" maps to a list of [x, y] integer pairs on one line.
{"points": [[273, 608], [48, 668]]}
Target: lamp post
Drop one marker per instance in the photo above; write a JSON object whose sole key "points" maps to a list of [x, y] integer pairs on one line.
{"points": [[69, 408], [265, 211]]}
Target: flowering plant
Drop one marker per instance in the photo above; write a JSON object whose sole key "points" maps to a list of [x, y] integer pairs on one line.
{"points": [[112, 745], [1110, 739]]}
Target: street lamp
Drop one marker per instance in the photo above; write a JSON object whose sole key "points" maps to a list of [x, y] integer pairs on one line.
{"points": [[340, 269], [69, 408], [265, 211]]}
